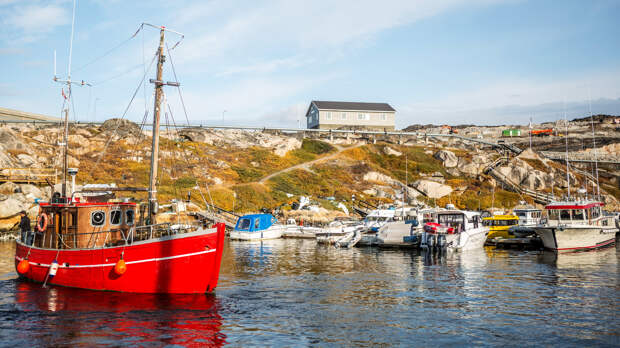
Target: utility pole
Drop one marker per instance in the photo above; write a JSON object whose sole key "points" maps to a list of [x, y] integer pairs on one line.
{"points": [[155, 145]]}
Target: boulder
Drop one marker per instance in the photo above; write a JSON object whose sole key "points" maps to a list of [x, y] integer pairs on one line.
{"points": [[10, 141], [378, 177], [12, 206], [390, 151], [286, 145], [448, 158], [432, 189], [120, 127], [9, 188], [26, 160]]}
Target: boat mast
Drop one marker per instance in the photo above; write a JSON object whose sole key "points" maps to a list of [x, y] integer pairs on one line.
{"points": [[155, 145], [566, 138], [65, 149]]}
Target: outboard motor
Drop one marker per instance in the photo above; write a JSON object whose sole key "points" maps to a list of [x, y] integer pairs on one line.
{"points": [[441, 241]]}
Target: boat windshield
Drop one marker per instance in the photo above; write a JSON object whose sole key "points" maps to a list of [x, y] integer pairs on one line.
{"points": [[520, 213], [244, 224], [578, 214], [452, 220], [565, 214]]}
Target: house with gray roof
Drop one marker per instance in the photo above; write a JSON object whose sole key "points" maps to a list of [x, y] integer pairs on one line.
{"points": [[350, 115]]}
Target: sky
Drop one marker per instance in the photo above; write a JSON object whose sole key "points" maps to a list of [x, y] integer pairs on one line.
{"points": [[260, 63]]}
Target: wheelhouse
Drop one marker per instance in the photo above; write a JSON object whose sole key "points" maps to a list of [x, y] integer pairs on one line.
{"points": [[500, 221], [574, 213]]}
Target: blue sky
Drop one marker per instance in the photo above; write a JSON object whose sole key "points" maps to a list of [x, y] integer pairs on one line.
{"points": [[442, 62]]}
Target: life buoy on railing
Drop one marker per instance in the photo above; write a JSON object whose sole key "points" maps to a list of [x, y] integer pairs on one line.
{"points": [[42, 222]]}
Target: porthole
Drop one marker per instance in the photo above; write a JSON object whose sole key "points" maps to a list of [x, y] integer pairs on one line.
{"points": [[97, 218]]}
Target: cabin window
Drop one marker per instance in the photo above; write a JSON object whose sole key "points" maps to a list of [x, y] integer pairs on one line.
{"points": [[116, 217], [554, 214], [565, 214], [578, 214], [97, 218], [596, 212], [129, 214], [520, 214], [244, 224], [256, 223]]}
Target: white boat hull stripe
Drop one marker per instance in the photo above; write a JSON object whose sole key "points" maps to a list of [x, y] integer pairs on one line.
{"points": [[61, 264]]}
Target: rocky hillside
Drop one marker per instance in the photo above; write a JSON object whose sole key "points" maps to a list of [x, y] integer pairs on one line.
{"points": [[245, 171]]}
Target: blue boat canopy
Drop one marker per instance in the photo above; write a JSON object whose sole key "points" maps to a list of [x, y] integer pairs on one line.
{"points": [[255, 222]]}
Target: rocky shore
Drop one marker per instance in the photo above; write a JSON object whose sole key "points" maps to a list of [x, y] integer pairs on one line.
{"points": [[248, 170]]}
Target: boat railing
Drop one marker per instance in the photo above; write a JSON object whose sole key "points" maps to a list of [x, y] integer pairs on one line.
{"points": [[107, 238]]}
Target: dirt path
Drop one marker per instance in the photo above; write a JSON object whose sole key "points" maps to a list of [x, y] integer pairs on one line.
{"points": [[307, 165]]}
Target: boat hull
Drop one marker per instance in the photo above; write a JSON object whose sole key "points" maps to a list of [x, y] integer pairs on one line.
{"points": [[574, 238], [393, 234], [186, 263], [270, 233]]}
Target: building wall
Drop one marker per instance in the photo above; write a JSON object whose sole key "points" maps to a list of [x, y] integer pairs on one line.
{"points": [[357, 118]]}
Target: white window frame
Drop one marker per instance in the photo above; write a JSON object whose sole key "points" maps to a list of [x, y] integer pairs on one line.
{"points": [[328, 116], [383, 117], [343, 116], [361, 117]]}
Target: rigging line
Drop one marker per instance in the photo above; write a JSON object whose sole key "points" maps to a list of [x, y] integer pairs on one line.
{"points": [[209, 207], [144, 65], [135, 67], [174, 72], [124, 114], [109, 51]]}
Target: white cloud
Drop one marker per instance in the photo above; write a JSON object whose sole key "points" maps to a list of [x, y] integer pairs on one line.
{"points": [[29, 22], [37, 18]]}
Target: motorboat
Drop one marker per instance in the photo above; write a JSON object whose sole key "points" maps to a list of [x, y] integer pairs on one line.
{"points": [[528, 218], [338, 231], [406, 228], [576, 225], [257, 227], [499, 225], [455, 230]]}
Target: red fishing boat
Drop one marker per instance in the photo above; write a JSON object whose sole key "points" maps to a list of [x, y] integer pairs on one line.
{"points": [[117, 244]]}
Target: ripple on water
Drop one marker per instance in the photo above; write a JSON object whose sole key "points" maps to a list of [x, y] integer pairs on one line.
{"points": [[297, 293]]}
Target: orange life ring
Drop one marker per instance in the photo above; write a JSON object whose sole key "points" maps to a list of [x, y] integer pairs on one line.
{"points": [[42, 222]]}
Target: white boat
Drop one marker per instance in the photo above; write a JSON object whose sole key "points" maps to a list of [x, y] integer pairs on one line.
{"points": [[338, 231], [455, 230], [576, 225], [528, 218], [257, 227], [406, 228]]}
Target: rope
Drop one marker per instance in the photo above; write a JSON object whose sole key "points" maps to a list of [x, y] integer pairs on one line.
{"points": [[174, 72], [109, 51], [123, 116], [135, 67]]}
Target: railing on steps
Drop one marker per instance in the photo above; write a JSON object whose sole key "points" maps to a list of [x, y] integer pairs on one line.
{"points": [[28, 175]]}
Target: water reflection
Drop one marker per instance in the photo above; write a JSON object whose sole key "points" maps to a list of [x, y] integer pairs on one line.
{"points": [[56, 315], [297, 293]]}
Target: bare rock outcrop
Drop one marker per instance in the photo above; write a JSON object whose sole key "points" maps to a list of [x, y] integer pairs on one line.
{"points": [[432, 189], [448, 158]]}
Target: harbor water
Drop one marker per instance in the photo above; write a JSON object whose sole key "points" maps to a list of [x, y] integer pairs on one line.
{"points": [[298, 293]]}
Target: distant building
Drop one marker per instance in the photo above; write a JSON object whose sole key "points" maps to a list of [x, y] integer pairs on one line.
{"points": [[16, 115], [350, 115]]}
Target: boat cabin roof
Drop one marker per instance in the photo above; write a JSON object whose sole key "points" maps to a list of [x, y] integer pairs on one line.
{"points": [[501, 217], [574, 205], [468, 214], [255, 222], [86, 204]]}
